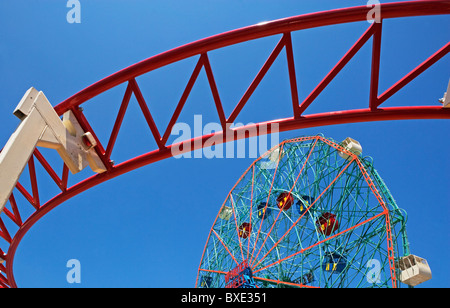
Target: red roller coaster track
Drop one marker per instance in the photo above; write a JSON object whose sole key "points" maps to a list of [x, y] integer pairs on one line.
{"points": [[200, 49]]}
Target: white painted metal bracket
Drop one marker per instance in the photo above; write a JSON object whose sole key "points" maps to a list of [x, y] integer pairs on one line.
{"points": [[41, 126], [446, 99]]}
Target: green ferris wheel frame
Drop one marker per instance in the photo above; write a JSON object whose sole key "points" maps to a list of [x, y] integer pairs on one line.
{"points": [[308, 213]]}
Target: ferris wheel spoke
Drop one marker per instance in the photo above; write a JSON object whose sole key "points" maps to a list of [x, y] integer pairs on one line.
{"points": [[267, 202], [281, 210], [225, 246], [301, 216], [212, 271], [251, 208], [317, 243], [280, 282], [236, 224]]}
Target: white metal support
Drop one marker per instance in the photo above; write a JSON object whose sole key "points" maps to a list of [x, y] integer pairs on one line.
{"points": [[446, 99], [41, 126]]}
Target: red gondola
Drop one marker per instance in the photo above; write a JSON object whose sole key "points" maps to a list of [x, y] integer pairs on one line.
{"points": [[285, 200], [327, 223], [245, 229]]}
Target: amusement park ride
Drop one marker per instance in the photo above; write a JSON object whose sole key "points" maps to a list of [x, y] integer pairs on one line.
{"points": [[315, 220]]}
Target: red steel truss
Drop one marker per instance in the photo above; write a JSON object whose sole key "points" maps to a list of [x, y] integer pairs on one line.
{"points": [[200, 49]]}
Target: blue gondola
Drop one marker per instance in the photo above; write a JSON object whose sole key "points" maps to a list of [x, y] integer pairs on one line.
{"points": [[205, 282], [303, 204], [263, 211], [334, 263]]}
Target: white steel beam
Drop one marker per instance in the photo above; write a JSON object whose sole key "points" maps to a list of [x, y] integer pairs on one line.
{"points": [[41, 126]]}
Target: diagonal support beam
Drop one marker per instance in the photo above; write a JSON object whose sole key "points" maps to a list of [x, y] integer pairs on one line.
{"points": [[182, 100], [146, 112], [118, 122], [337, 68], [413, 74], [292, 75], [215, 92], [257, 80], [375, 73]]}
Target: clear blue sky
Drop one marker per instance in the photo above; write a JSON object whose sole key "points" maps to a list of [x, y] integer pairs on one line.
{"points": [[148, 228]]}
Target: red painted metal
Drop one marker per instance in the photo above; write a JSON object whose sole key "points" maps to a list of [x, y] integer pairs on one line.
{"points": [[374, 75], [15, 215], [390, 245], [308, 21], [48, 168], [118, 122], [337, 68], [257, 80], [87, 128], [414, 73], [292, 75], [201, 48], [215, 92], [183, 99], [146, 112]]}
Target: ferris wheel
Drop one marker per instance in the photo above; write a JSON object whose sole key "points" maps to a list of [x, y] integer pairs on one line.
{"points": [[309, 213]]}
